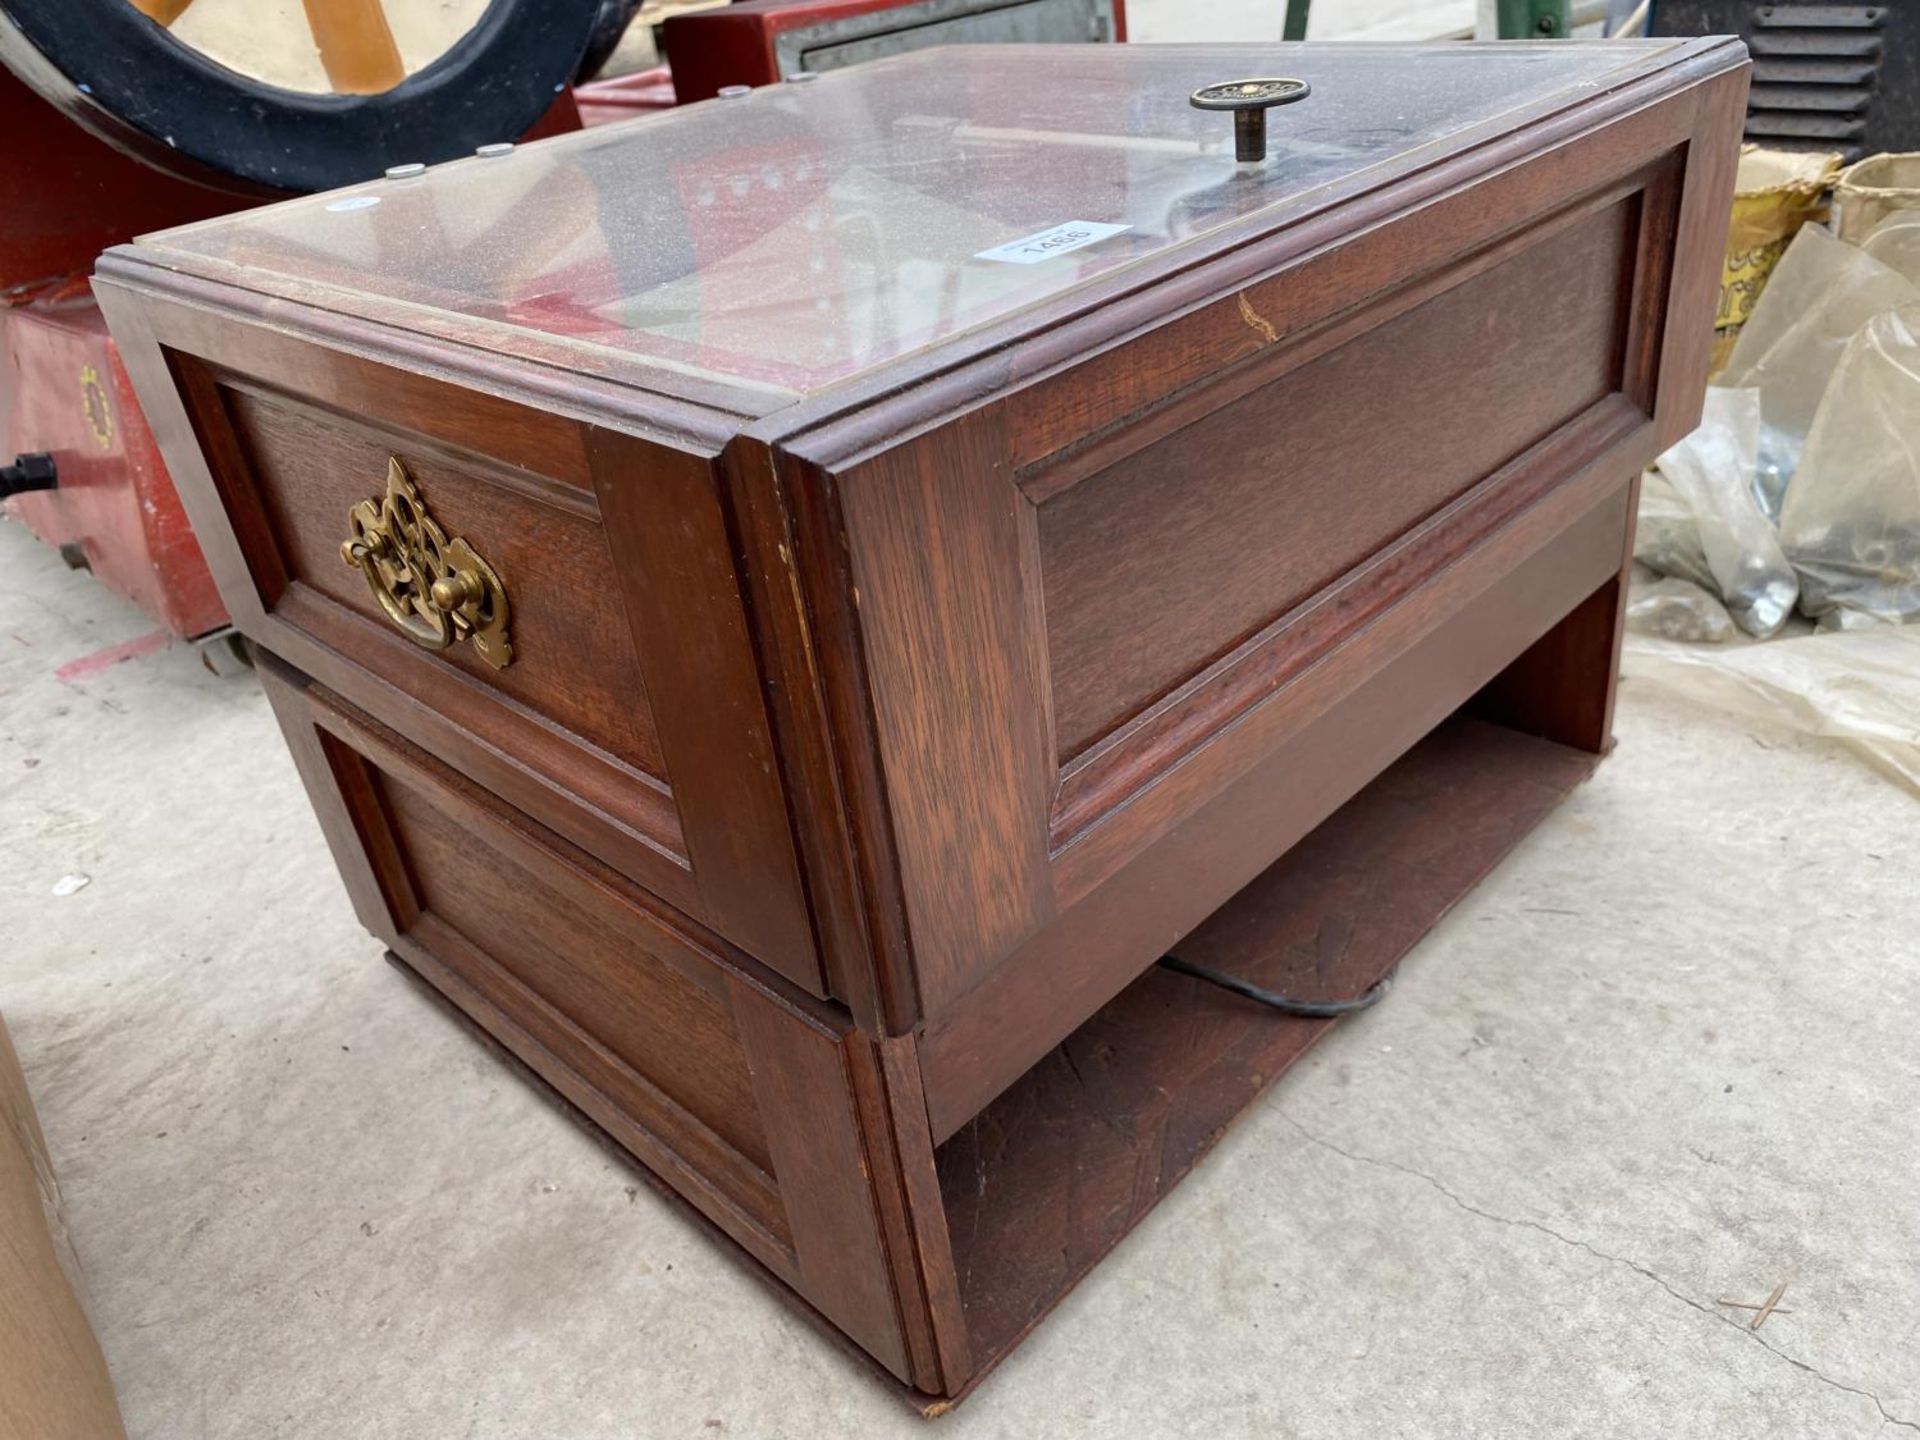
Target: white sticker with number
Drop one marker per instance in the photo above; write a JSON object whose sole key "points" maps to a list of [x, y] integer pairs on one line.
{"points": [[1032, 249]]}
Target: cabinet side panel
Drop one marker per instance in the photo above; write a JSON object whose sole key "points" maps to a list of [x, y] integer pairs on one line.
{"points": [[547, 935], [562, 960]]}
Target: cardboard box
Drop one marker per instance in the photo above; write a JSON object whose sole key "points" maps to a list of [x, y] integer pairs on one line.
{"points": [[53, 1378]]}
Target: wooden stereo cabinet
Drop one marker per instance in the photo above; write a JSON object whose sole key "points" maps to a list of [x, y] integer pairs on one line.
{"points": [[787, 609]]}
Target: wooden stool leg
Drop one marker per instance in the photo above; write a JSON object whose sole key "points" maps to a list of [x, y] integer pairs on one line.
{"points": [[1562, 687]]}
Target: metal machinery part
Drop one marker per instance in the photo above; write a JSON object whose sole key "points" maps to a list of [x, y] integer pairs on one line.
{"points": [[1825, 77], [760, 42], [127, 80], [1535, 19]]}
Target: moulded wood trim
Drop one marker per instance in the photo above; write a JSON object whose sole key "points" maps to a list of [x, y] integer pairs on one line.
{"points": [[798, 590], [671, 408], [1705, 204], [1097, 783], [229, 522], [569, 495], [927, 1279], [1349, 722], [667, 525], [516, 751], [1123, 807], [354, 759], [748, 1206], [689, 946], [683, 1148], [937, 581], [1061, 469], [382, 895], [366, 386], [828, 1183]]}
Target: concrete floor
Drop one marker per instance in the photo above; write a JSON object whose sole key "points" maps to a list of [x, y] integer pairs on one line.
{"points": [[1663, 1056]]}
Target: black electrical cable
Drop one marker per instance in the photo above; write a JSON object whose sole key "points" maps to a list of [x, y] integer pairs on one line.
{"points": [[28, 472], [1287, 1004]]}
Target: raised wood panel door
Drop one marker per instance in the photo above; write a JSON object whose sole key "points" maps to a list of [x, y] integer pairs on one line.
{"points": [[759, 1106], [630, 718], [1075, 631]]}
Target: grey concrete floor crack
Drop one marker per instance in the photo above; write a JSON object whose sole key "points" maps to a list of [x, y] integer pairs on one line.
{"points": [[1887, 1416]]}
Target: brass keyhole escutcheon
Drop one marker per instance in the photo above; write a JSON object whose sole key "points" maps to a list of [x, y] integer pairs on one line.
{"points": [[436, 591]]}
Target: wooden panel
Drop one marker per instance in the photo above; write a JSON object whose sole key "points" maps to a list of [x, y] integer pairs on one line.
{"points": [[943, 574], [758, 1106], [615, 554], [831, 767], [1050, 1177], [1346, 721], [803, 1074], [677, 572], [1159, 565], [574, 657], [1172, 594], [628, 1013], [537, 925]]}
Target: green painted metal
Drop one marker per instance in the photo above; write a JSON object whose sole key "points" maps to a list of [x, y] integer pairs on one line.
{"points": [[1535, 19], [1296, 26]]}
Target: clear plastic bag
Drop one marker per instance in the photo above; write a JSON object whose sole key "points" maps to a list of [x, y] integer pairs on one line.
{"points": [[1872, 191], [1851, 525], [1673, 609], [1666, 537], [1820, 295], [1713, 471], [1861, 688], [1895, 243]]}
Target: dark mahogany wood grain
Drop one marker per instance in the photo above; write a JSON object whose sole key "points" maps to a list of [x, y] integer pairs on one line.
{"points": [[1338, 732], [579, 731], [574, 657], [943, 568], [742, 1097], [679, 1036], [673, 559], [1173, 555], [1046, 1180], [828, 760], [1181, 621], [871, 745]]}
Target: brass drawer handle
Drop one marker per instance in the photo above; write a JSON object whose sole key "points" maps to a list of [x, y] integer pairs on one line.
{"points": [[434, 589]]}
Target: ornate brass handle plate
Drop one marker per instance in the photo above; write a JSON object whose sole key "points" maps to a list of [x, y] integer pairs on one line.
{"points": [[436, 590]]}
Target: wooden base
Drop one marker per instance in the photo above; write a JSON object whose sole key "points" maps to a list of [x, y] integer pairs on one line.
{"points": [[1053, 1174]]}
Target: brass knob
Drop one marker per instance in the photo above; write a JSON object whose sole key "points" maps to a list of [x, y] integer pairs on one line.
{"points": [[451, 592], [1249, 100]]}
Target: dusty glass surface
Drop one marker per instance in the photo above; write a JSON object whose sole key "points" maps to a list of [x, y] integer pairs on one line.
{"points": [[804, 233]]}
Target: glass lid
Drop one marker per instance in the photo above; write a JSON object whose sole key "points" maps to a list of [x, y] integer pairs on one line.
{"points": [[802, 233]]}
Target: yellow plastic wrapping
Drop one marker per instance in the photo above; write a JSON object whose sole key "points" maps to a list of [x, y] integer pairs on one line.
{"points": [[1775, 193]]}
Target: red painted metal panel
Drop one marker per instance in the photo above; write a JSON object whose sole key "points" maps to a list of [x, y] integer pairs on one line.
{"points": [[65, 391]]}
